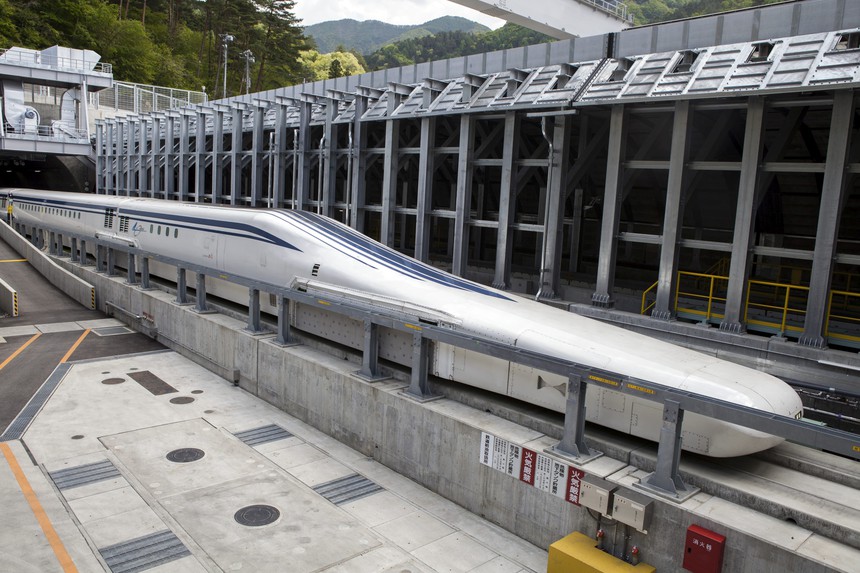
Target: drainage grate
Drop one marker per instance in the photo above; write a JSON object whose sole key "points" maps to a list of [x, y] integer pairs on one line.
{"points": [[16, 429], [346, 489], [263, 435], [257, 515], [144, 552], [185, 455], [85, 474], [111, 331]]}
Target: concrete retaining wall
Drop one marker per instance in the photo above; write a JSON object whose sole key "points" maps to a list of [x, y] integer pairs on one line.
{"points": [[437, 444], [8, 299], [75, 287]]}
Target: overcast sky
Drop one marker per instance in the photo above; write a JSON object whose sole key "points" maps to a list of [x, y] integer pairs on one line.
{"points": [[391, 11]]}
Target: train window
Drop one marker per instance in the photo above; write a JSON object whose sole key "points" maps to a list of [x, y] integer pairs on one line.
{"points": [[167, 231], [175, 233], [159, 229], [150, 228]]}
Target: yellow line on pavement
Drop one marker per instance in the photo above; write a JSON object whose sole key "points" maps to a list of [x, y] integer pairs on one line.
{"points": [[20, 350], [44, 522], [13, 260], [75, 346]]}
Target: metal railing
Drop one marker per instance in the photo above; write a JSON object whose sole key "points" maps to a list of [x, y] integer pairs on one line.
{"points": [[618, 9], [58, 131], [30, 58], [776, 307], [142, 98]]}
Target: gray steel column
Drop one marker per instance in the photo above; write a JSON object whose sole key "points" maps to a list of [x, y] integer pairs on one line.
{"points": [[359, 163], [100, 264], [145, 159], [573, 437], [131, 275], [155, 152], [742, 241], [119, 155], [200, 306], [84, 260], [667, 278], [236, 155], [329, 158], [184, 154], [665, 478], [370, 355], [101, 154], [52, 243], [426, 165], [829, 215], [279, 174], [200, 155], [254, 325], [110, 145], [181, 286], [303, 182], [218, 155], [507, 201], [464, 195], [111, 262], [257, 153], [144, 273], [74, 254], [418, 387], [283, 337], [169, 155], [612, 197], [550, 272], [389, 181]]}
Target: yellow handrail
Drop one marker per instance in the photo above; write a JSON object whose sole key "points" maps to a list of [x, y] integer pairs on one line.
{"points": [[643, 307]]}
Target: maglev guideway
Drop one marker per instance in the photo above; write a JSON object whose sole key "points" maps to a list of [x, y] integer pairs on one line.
{"points": [[560, 19]]}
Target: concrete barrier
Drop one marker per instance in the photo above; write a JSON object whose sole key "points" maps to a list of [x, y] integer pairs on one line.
{"points": [[76, 288], [8, 299]]}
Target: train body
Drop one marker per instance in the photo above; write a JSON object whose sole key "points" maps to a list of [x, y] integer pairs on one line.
{"points": [[289, 248]]}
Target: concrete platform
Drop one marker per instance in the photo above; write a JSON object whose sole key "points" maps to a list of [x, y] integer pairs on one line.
{"points": [[95, 460]]}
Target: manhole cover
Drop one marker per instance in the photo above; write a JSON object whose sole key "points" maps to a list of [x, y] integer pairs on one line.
{"points": [[257, 515], [185, 455], [110, 381], [182, 400]]}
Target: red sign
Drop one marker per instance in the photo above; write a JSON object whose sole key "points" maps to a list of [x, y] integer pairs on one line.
{"points": [[527, 469], [574, 481]]}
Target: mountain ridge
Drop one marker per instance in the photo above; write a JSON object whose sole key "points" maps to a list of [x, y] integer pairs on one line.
{"points": [[368, 36]]}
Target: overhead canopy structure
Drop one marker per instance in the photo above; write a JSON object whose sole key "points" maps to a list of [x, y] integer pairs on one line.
{"points": [[560, 19]]}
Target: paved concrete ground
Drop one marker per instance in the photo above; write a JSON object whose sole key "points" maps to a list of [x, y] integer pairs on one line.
{"points": [[110, 414]]}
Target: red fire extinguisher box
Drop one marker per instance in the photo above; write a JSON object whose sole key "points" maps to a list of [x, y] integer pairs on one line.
{"points": [[703, 551]]}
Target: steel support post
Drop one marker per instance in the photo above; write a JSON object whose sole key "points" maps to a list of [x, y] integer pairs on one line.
{"points": [[667, 277], [612, 197], [254, 325], [829, 214], [119, 131], [131, 274], [418, 387], [257, 153], [84, 261], [370, 354], [303, 177], [389, 180], [100, 156], [155, 153], [111, 262], [328, 157], [144, 273], [74, 251], [169, 156], [283, 337], [742, 241], [184, 153], [359, 164], [60, 250], [52, 243], [550, 270], [572, 444], [181, 286], [100, 265], [236, 155], [217, 156], [507, 201], [666, 481], [464, 195], [200, 156], [279, 171], [426, 167], [143, 164], [110, 145], [200, 305]]}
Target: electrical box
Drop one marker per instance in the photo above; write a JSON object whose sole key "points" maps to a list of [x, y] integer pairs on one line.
{"points": [[703, 551], [632, 508], [596, 493]]}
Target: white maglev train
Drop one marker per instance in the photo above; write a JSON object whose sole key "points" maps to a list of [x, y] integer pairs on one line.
{"points": [[299, 248]]}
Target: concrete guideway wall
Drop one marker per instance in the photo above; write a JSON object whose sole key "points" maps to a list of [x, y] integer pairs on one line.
{"points": [[74, 287], [8, 299], [437, 444]]}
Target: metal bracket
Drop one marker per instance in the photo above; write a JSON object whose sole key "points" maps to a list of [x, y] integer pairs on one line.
{"points": [[254, 324], [418, 389], [666, 481]]}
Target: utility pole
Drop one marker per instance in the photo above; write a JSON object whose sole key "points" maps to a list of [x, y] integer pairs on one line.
{"points": [[249, 59], [226, 39]]}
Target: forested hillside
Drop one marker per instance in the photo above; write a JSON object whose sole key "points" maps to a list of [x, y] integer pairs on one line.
{"points": [[178, 43]]}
